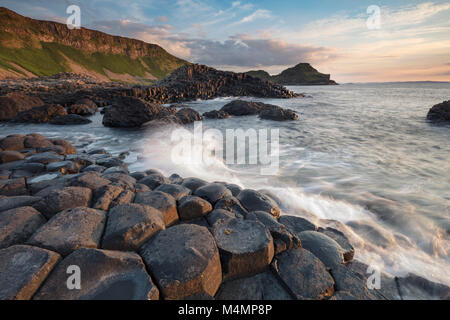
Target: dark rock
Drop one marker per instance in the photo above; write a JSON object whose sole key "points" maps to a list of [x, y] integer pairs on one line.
{"points": [[94, 167], [175, 190], [110, 162], [219, 215], [81, 109], [184, 261], [105, 275], [233, 205], [188, 115], [68, 147], [32, 167], [130, 226], [323, 247], [70, 119], [125, 197], [153, 181], [12, 142], [277, 114], [65, 167], [61, 199], [88, 102], [296, 225], [10, 156], [16, 202], [138, 175], [440, 112], [216, 114], [193, 183], [246, 247], [263, 286], [130, 112], [91, 180], [116, 170], [176, 179], [120, 179], [18, 224], [81, 160], [242, 108], [213, 192], [13, 187], [45, 158], [254, 201], [304, 274], [234, 188], [104, 196], [161, 201], [35, 141], [141, 188], [70, 230], [23, 270], [192, 207], [342, 240], [42, 114], [413, 287], [13, 103]]}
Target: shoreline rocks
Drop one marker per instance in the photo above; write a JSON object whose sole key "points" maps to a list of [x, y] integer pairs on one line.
{"points": [[440, 112]]}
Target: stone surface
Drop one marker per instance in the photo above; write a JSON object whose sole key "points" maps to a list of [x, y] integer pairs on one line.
{"points": [[255, 201], [193, 183], [13, 103], [41, 114], [216, 114], [45, 157], [23, 269], [233, 205], [91, 180], [70, 230], [246, 247], [342, 240], [218, 215], [263, 286], [192, 207], [70, 119], [175, 190], [105, 275], [184, 261], [16, 202], [323, 247], [104, 196], [10, 156], [130, 226], [13, 142], [60, 199], [65, 167], [161, 201], [17, 225], [277, 113], [440, 112], [153, 181], [304, 274], [413, 287], [13, 187], [296, 225]]}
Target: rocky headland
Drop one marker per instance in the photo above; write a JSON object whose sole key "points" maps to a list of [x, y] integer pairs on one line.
{"points": [[143, 235]]}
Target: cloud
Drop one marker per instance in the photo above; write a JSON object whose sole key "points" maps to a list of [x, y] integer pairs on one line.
{"points": [[258, 14], [162, 19]]}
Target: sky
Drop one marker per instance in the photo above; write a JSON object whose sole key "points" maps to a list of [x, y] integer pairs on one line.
{"points": [[409, 42]]}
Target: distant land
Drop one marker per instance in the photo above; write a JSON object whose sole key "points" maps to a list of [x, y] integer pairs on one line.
{"points": [[30, 48], [300, 75]]}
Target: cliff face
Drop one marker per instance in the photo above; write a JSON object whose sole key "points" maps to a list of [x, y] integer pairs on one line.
{"points": [[33, 47], [301, 74]]}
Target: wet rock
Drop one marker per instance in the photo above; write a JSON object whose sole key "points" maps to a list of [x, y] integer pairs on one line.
{"points": [[70, 119], [10, 156], [193, 183], [23, 270], [103, 196], [304, 274], [175, 190], [254, 201], [13, 103], [188, 115], [216, 114], [233, 205], [116, 170], [81, 160], [242, 108], [323, 247], [81, 109], [66, 145], [192, 207], [125, 197], [120, 179], [41, 114], [184, 261], [94, 168], [36, 141], [45, 158], [141, 188], [153, 181], [16, 202], [87, 102], [65, 167], [70, 230], [105, 275], [218, 215], [342, 240], [161, 201], [246, 247], [13, 142], [213, 192], [276, 113], [13, 187], [130, 112], [263, 286], [272, 196], [234, 188], [283, 239], [33, 168], [413, 287], [18, 224], [440, 112], [296, 225], [130, 226], [91, 180], [138, 175], [176, 179], [48, 181], [110, 162], [61, 199]]}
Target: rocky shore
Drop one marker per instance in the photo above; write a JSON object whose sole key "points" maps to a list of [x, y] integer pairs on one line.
{"points": [[143, 235], [440, 112]]}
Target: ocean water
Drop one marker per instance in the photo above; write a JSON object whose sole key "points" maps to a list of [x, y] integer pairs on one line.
{"points": [[362, 158]]}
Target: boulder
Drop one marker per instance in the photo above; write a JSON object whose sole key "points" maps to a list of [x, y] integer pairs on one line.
{"points": [[413, 287], [304, 274], [10, 156], [65, 167], [263, 286], [16, 202], [213, 192], [17, 225], [188, 115], [184, 261], [14, 142], [36, 141], [70, 119], [193, 183], [216, 114], [15, 102], [103, 196], [41, 114], [242, 108], [45, 158], [125, 181], [323, 247], [138, 175], [116, 170], [23, 270], [255, 201], [161, 201], [105, 275], [87, 102], [153, 181], [176, 179], [440, 112], [94, 168], [125, 197], [234, 188], [296, 225], [13, 187], [219, 215], [70, 230], [130, 112], [276, 113], [61, 199], [246, 247], [81, 109], [66, 145], [192, 207], [130, 226], [233, 205], [175, 190], [342, 240], [91, 180]]}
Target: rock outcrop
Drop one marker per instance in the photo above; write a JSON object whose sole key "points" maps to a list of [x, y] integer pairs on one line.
{"points": [[440, 112]]}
